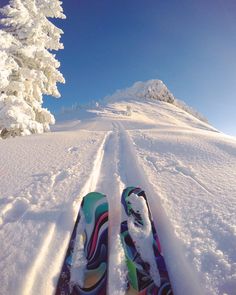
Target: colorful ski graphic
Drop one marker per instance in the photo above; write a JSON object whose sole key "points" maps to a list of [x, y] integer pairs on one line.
{"points": [[84, 271], [145, 275]]}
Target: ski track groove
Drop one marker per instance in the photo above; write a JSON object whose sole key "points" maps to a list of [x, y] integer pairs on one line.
{"points": [[121, 168], [132, 174], [115, 167], [111, 185], [48, 249], [40, 259]]}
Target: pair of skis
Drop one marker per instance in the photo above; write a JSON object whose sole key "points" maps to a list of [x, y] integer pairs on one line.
{"points": [[85, 269]]}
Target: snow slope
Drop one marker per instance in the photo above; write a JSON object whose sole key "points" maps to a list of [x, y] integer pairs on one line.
{"points": [[187, 168]]}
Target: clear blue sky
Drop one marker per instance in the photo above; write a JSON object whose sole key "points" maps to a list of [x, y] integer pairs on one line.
{"points": [[189, 44]]}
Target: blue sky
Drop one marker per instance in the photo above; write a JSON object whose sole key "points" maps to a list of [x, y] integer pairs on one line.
{"points": [[189, 44]]}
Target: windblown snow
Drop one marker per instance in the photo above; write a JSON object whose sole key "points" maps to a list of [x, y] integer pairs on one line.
{"points": [[186, 167]]}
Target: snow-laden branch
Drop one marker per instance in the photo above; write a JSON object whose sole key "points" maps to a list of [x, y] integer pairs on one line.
{"points": [[28, 70]]}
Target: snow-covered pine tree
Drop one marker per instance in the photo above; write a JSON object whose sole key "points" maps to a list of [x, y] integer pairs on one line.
{"points": [[29, 68]]}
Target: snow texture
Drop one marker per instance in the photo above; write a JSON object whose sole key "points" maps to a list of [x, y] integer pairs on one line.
{"points": [[185, 166]]}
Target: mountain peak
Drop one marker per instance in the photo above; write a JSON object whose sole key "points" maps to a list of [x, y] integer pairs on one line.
{"points": [[151, 89], [140, 91]]}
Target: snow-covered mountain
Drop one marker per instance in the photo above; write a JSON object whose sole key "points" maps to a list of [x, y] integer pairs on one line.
{"points": [[139, 91], [154, 89], [186, 167]]}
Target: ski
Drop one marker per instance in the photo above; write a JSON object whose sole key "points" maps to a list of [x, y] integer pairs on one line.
{"points": [[84, 271], [147, 273]]}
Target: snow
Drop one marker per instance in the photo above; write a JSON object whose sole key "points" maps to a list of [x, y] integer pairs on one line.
{"points": [[79, 260], [142, 236], [186, 167], [154, 90]]}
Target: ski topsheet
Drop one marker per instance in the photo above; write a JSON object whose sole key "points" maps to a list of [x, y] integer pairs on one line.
{"points": [[147, 273], [84, 270]]}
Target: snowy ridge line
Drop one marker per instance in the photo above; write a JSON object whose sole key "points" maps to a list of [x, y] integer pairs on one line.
{"points": [[133, 175], [53, 246]]}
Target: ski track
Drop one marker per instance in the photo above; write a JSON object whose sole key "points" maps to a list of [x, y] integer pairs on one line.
{"points": [[186, 170], [52, 246], [121, 168], [132, 174], [111, 185], [115, 167]]}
